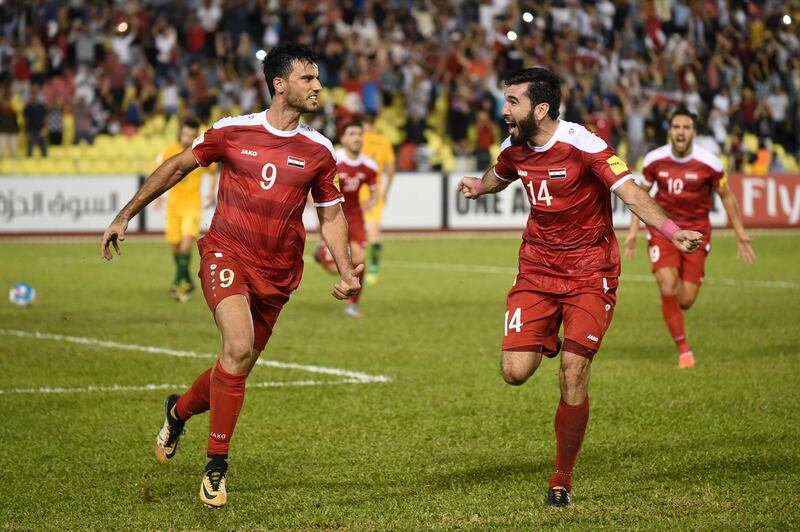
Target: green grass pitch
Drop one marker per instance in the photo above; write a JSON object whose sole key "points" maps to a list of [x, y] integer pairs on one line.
{"points": [[444, 445]]}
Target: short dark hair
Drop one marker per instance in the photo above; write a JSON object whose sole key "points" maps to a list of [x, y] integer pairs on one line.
{"points": [[370, 117], [352, 123], [278, 62], [191, 122], [683, 111], [544, 87]]}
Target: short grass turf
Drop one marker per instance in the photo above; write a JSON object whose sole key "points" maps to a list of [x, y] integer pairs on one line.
{"points": [[445, 445]]}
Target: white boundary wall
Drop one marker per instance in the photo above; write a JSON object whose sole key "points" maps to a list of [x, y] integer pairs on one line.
{"points": [[416, 202]]}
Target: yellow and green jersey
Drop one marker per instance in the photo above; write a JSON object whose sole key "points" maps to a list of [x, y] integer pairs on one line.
{"points": [[186, 194]]}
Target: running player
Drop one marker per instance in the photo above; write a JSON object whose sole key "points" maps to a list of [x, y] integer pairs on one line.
{"points": [[355, 169], [377, 147], [184, 211], [569, 257], [251, 259], [686, 175]]}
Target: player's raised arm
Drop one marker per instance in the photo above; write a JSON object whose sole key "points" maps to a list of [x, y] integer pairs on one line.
{"points": [[744, 251], [643, 206], [167, 175], [334, 230], [474, 187]]}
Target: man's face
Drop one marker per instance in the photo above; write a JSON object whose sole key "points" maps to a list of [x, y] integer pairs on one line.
{"points": [[303, 86], [353, 139], [518, 114], [188, 134], [681, 133]]}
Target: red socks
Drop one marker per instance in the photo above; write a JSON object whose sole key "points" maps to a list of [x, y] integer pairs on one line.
{"points": [[570, 426], [227, 397], [354, 299], [196, 399], [673, 317]]}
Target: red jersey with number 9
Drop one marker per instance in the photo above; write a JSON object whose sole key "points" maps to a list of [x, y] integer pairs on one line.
{"points": [[685, 185], [265, 179], [569, 234]]}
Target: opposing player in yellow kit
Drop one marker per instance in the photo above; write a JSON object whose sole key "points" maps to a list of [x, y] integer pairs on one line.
{"points": [[378, 148], [184, 212]]}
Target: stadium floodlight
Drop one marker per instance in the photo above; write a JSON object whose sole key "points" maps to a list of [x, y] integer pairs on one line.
{"points": [[527, 17], [787, 19], [512, 35], [260, 55]]}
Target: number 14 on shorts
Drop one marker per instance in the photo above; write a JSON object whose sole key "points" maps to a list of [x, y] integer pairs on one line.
{"points": [[515, 323]]}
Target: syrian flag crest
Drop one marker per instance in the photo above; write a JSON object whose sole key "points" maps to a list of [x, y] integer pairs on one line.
{"points": [[557, 173], [296, 162]]}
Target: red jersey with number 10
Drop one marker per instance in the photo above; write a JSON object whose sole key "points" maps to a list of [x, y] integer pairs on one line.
{"points": [[569, 234], [264, 183], [685, 185]]}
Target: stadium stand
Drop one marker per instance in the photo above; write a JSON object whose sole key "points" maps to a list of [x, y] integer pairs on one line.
{"points": [[126, 72]]}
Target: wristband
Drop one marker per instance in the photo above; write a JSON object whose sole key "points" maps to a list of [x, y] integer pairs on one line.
{"points": [[478, 186], [669, 228]]}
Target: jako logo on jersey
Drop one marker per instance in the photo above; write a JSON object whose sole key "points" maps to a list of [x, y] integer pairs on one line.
{"points": [[691, 177], [522, 173], [593, 338], [296, 162], [251, 153], [557, 173]]}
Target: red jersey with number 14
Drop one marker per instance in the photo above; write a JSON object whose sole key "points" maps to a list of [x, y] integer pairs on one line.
{"points": [[685, 185], [266, 176], [569, 234]]}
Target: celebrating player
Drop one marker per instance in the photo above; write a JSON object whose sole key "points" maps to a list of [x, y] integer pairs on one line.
{"points": [[251, 259], [686, 174], [569, 257], [355, 169], [378, 148], [184, 212]]}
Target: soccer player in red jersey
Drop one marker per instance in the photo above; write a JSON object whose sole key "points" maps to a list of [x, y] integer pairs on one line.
{"points": [[569, 257], [355, 170], [686, 175], [252, 257]]}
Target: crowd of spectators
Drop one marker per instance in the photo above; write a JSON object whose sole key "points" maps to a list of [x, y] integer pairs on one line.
{"points": [[112, 65]]}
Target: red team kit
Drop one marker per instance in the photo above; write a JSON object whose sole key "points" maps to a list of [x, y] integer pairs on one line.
{"points": [[685, 187], [263, 187], [568, 249]]}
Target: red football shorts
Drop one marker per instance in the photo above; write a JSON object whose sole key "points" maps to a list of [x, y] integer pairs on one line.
{"points": [[664, 254], [535, 312], [222, 276], [358, 231]]}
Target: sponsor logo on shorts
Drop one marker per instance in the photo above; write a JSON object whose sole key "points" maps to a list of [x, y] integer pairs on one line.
{"points": [[251, 153], [296, 162], [557, 173], [593, 338]]}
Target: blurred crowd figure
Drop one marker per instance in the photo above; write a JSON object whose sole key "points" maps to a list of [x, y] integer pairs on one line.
{"points": [[111, 65]]}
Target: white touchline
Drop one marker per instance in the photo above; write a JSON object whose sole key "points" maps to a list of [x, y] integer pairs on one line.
{"points": [[152, 387], [630, 277], [350, 377]]}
